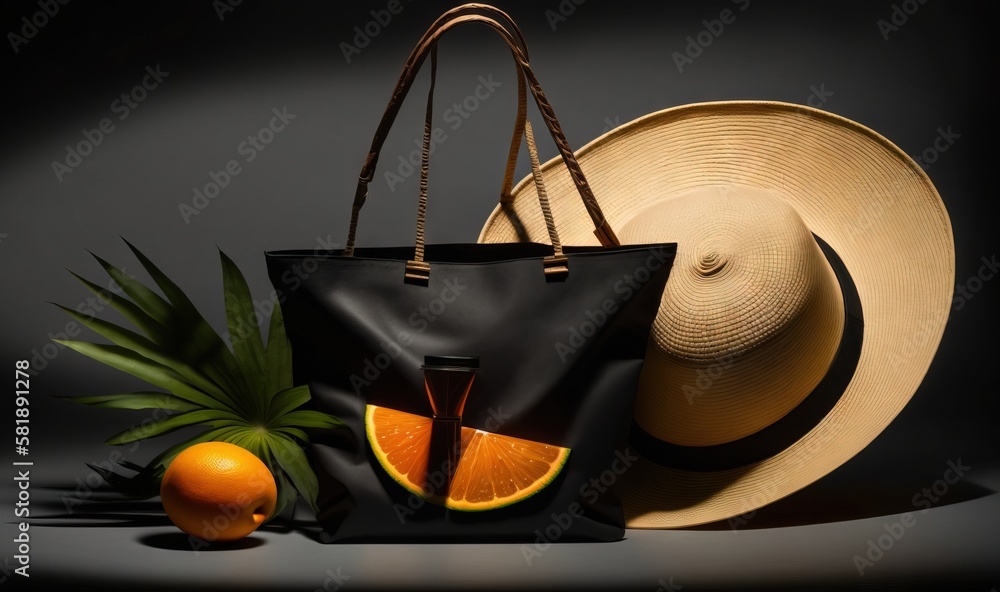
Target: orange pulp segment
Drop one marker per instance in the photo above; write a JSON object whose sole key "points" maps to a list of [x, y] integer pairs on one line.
{"points": [[493, 470]]}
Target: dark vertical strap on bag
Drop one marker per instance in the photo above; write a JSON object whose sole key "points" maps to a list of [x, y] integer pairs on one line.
{"points": [[560, 333]]}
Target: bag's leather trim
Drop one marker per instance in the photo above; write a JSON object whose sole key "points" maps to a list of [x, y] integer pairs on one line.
{"points": [[556, 265], [417, 272]]}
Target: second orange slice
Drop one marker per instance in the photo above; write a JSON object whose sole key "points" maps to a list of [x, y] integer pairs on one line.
{"points": [[493, 471]]}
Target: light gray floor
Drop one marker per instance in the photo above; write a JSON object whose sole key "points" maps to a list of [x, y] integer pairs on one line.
{"points": [[798, 543]]}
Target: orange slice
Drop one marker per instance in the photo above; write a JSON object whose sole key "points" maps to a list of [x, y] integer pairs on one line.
{"points": [[493, 471]]}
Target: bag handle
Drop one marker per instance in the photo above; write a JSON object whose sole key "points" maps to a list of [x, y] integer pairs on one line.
{"points": [[522, 94], [421, 47], [602, 229], [417, 270]]}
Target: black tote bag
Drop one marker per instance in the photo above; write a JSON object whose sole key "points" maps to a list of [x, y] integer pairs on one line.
{"points": [[560, 334]]}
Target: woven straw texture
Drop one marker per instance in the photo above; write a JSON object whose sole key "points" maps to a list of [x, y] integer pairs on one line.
{"points": [[740, 186]]}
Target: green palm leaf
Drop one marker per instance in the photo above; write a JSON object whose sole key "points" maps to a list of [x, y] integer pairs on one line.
{"points": [[244, 334], [146, 482], [163, 459], [286, 495], [152, 372], [148, 349], [293, 432], [148, 300], [289, 399], [132, 312], [293, 461], [244, 395], [278, 355], [306, 419], [204, 344], [140, 400], [185, 336], [173, 422]]}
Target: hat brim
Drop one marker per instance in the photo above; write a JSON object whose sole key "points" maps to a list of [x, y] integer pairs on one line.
{"points": [[853, 188]]}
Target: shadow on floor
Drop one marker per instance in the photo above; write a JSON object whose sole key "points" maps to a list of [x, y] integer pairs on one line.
{"points": [[827, 502], [178, 541], [65, 507]]}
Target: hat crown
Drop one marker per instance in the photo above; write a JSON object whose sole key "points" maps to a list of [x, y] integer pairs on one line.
{"points": [[876, 215], [750, 319]]}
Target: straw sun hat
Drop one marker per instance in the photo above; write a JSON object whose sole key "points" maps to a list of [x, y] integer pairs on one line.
{"points": [[813, 280]]}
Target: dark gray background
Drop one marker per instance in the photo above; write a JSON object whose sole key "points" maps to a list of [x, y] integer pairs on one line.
{"points": [[605, 64]]}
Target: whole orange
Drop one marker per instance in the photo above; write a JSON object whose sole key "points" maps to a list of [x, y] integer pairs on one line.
{"points": [[218, 491]]}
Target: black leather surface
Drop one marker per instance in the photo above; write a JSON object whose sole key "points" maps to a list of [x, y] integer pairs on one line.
{"points": [[359, 335]]}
